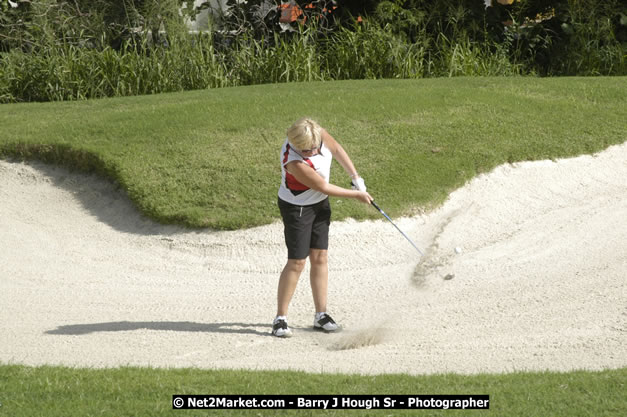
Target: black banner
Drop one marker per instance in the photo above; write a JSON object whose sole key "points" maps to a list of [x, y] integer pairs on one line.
{"points": [[332, 402]]}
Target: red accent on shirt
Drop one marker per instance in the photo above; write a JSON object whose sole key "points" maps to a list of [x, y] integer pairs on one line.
{"points": [[291, 182]]}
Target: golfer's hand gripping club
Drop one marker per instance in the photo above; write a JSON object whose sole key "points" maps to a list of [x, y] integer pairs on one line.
{"points": [[390, 220], [358, 184]]}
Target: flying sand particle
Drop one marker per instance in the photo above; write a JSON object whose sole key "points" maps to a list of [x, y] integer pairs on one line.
{"points": [[362, 338]]}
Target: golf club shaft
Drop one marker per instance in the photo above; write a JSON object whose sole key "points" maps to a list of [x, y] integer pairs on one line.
{"points": [[390, 220]]}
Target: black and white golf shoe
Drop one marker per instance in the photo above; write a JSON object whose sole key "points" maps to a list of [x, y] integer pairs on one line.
{"points": [[280, 328], [325, 323]]}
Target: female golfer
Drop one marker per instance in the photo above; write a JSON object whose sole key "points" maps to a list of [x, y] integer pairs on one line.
{"points": [[304, 204]]}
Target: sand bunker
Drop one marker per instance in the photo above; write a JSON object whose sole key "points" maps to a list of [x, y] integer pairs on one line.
{"points": [[540, 282]]}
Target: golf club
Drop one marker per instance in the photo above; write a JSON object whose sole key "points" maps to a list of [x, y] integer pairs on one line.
{"points": [[388, 217]]}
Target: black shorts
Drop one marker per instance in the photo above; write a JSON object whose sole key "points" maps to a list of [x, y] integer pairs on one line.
{"points": [[305, 227]]}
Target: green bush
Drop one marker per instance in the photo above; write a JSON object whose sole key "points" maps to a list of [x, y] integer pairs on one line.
{"points": [[75, 50]]}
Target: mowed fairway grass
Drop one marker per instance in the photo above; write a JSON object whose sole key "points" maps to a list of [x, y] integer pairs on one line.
{"points": [[68, 392], [210, 159]]}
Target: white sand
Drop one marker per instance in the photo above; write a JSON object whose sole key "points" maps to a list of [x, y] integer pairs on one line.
{"points": [[540, 284]]}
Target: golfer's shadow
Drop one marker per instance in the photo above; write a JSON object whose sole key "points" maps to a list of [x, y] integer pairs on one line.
{"points": [[173, 326]]}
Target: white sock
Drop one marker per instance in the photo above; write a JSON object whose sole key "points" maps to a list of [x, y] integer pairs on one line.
{"points": [[319, 315], [280, 318]]}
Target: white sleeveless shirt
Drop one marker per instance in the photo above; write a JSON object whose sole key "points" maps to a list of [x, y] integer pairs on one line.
{"points": [[292, 191]]}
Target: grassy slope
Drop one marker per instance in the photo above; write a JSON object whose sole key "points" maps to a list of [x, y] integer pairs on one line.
{"points": [[210, 158], [66, 392]]}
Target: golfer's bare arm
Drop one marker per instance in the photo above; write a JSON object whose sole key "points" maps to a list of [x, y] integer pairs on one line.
{"points": [[339, 153], [307, 176]]}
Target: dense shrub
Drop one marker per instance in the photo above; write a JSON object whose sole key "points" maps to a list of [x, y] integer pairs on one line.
{"points": [[60, 50]]}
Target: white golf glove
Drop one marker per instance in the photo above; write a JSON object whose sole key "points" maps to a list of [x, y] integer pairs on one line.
{"points": [[358, 184]]}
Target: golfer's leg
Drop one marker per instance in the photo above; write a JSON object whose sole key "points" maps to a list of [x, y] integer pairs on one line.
{"points": [[319, 277], [287, 284]]}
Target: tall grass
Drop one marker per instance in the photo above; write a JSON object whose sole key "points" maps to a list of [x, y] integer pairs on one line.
{"points": [[190, 62], [259, 61], [70, 72], [463, 57], [70, 63], [592, 48], [370, 52]]}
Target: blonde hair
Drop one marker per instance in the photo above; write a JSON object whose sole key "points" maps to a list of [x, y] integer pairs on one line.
{"points": [[305, 134]]}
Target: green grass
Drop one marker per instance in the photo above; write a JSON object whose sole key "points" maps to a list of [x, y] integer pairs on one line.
{"points": [[66, 392], [210, 158]]}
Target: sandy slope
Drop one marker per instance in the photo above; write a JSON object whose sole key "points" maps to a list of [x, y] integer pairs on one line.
{"points": [[541, 282]]}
